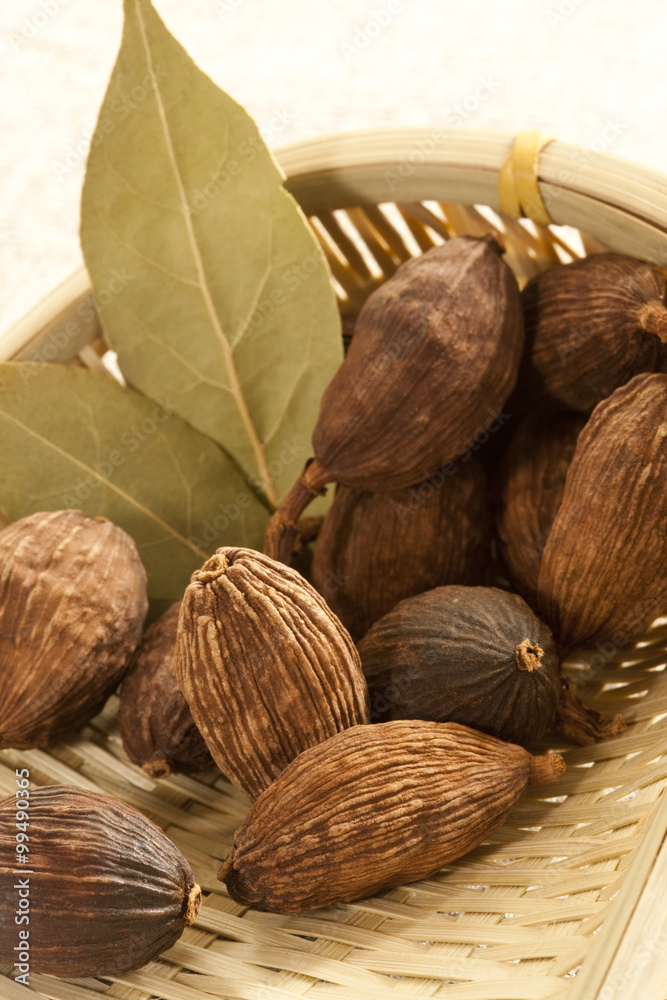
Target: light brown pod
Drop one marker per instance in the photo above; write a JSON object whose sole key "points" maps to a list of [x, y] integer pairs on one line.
{"points": [[434, 356], [104, 890], [603, 576], [375, 549], [375, 807], [156, 725], [72, 606], [591, 326], [266, 667], [529, 488]]}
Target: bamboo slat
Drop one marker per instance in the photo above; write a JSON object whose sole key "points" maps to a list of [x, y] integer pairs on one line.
{"points": [[567, 899]]}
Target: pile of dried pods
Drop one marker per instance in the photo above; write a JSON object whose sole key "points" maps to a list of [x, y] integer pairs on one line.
{"points": [[369, 765]]}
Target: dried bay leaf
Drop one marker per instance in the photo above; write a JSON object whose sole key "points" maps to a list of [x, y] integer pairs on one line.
{"points": [[224, 300], [71, 438]]}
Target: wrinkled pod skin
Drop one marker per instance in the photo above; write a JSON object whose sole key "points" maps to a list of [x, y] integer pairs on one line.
{"points": [[434, 356], [529, 488], [591, 326], [603, 577], [72, 606], [109, 891], [375, 549], [472, 655], [477, 656], [375, 807], [156, 725], [265, 666]]}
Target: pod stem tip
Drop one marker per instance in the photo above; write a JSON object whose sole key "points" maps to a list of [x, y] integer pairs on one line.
{"points": [[194, 902], [546, 768]]}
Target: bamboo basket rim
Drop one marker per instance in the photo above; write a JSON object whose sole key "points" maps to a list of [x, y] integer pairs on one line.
{"points": [[618, 205], [463, 162]]}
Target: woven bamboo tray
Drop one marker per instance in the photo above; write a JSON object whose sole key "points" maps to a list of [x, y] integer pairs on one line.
{"points": [[567, 900]]}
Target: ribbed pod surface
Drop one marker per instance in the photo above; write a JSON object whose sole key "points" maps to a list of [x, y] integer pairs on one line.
{"points": [[373, 807], [72, 606], [266, 667]]}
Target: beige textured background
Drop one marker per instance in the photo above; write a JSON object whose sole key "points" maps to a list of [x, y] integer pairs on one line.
{"points": [[587, 71]]}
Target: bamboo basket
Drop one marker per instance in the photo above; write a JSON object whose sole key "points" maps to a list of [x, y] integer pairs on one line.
{"points": [[567, 899]]}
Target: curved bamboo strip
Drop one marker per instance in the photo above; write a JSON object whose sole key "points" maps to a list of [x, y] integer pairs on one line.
{"points": [[560, 885]]}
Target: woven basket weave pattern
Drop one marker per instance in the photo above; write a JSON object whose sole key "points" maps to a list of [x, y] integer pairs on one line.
{"points": [[514, 918]]}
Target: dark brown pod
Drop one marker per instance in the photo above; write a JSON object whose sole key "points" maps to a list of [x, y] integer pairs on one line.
{"points": [[434, 356], [477, 656], [105, 890], [376, 807], [72, 607], [266, 667], [591, 326], [603, 576], [529, 488], [435, 351], [473, 655], [375, 549], [156, 725]]}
